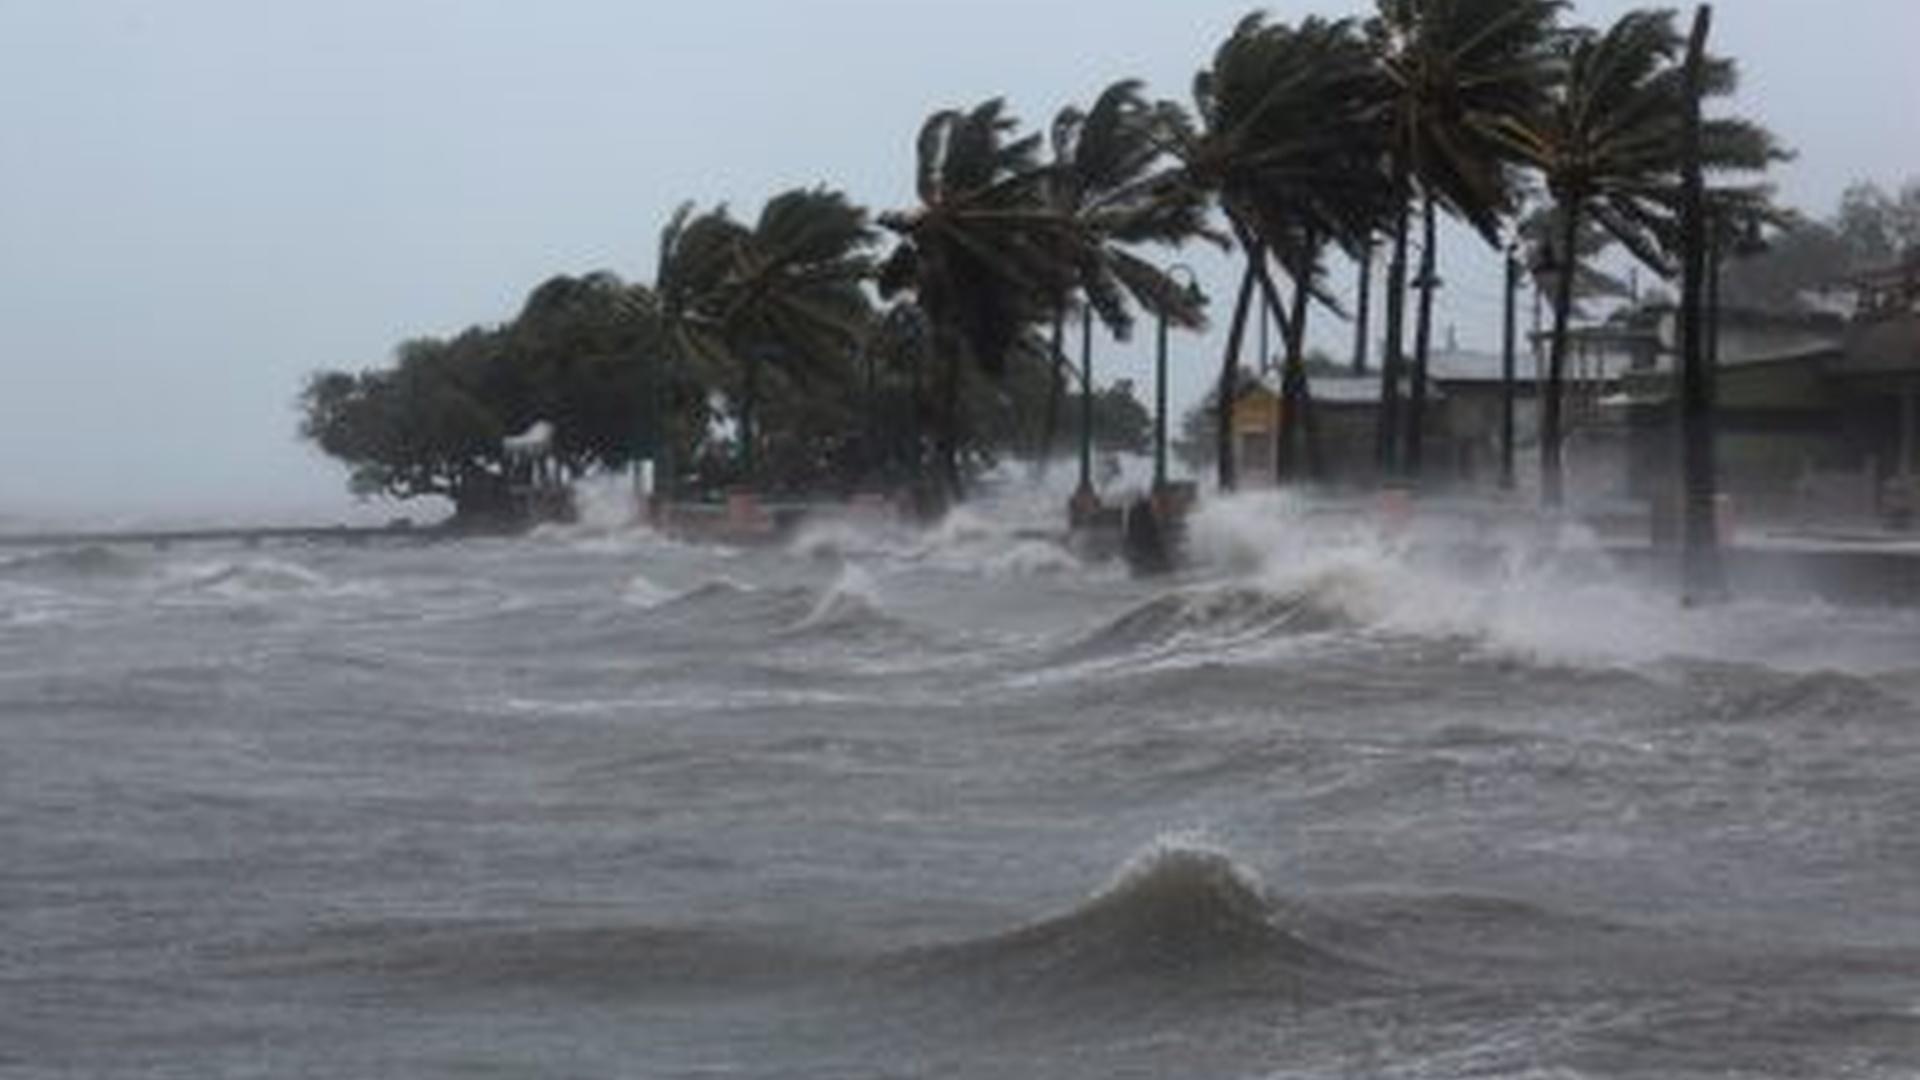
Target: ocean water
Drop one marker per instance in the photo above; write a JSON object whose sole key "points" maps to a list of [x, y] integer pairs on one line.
{"points": [[880, 803]]}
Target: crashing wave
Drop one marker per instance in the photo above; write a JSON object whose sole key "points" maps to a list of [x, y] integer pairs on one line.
{"points": [[1217, 615], [641, 592], [1177, 911], [852, 602]]}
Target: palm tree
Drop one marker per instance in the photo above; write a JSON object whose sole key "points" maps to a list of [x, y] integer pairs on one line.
{"points": [[1109, 176], [1454, 70], [691, 268], [1540, 236], [983, 253], [731, 301], [1286, 147], [1608, 144], [793, 296]]}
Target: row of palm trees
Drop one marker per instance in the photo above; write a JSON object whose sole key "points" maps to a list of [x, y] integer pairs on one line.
{"points": [[1301, 140]]}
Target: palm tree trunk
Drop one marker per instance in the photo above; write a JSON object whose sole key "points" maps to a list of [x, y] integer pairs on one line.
{"points": [[1086, 398], [1229, 381], [1391, 363], [1363, 309], [1298, 402], [949, 449], [749, 404], [1509, 344], [916, 436], [1552, 473], [1056, 390], [1703, 575], [1271, 295], [1422, 344]]}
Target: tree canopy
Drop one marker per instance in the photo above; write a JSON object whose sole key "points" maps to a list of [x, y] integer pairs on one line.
{"points": [[803, 347]]}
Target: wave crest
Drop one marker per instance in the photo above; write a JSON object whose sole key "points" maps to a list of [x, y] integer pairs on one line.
{"points": [[1218, 615], [89, 561], [1177, 911]]}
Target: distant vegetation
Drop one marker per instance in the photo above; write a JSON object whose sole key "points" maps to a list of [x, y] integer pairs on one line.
{"points": [[820, 347], [1871, 229]]}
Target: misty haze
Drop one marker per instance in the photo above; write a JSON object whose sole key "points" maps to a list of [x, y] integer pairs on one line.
{"points": [[928, 539]]}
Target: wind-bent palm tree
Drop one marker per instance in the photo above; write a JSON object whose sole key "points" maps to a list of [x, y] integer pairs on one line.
{"points": [[1455, 71], [690, 271], [1110, 176], [792, 298], [1608, 144], [983, 253], [731, 300], [1540, 236], [1286, 144]]}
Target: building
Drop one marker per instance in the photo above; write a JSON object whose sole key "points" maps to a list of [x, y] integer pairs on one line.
{"points": [[1817, 416], [1465, 396], [1346, 410]]}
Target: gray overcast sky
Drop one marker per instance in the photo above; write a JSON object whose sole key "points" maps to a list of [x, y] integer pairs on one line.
{"points": [[203, 200]]}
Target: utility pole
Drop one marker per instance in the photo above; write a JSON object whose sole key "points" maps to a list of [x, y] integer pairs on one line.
{"points": [[1703, 576]]}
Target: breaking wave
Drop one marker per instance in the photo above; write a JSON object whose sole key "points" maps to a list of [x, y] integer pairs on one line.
{"points": [[641, 592], [964, 541], [1178, 911], [1508, 586], [852, 604], [244, 579], [1211, 616], [90, 561]]}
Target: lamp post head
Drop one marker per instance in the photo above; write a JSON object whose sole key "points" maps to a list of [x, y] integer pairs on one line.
{"points": [[1192, 296]]}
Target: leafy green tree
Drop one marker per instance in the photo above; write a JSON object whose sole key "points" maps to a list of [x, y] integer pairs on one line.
{"points": [[1808, 254], [423, 427], [585, 356]]}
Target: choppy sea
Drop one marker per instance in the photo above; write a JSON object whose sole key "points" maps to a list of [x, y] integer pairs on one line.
{"points": [[946, 803]]}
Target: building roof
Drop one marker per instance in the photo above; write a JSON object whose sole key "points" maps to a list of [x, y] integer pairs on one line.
{"points": [[1343, 389], [1456, 365], [1347, 389]]}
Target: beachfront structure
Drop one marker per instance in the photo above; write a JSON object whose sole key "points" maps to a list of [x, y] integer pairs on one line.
{"points": [[1462, 437], [1817, 415]]}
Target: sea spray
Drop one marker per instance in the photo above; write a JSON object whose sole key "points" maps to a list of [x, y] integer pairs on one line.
{"points": [[853, 597], [1508, 585]]}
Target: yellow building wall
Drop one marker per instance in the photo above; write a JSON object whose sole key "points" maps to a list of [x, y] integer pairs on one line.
{"points": [[1255, 413]]}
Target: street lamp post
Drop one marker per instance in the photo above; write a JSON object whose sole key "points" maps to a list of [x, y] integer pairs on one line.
{"points": [[1197, 299]]}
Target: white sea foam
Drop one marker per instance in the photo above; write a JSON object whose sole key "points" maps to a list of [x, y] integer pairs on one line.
{"points": [[853, 595], [1513, 586], [242, 578], [641, 592]]}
